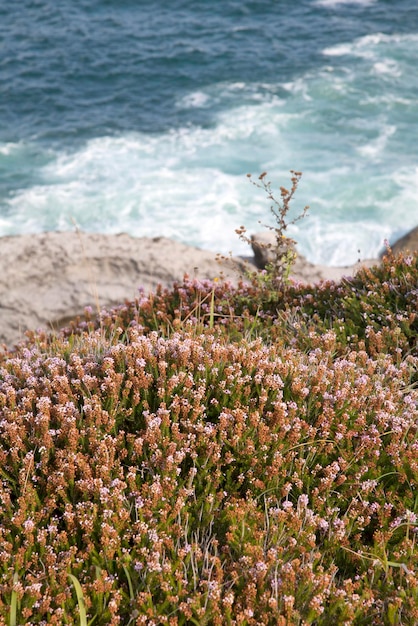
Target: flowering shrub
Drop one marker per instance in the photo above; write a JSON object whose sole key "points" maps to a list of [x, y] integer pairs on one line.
{"points": [[282, 253], [217, 455]]}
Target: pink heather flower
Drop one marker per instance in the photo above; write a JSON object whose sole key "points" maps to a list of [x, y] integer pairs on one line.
{"points": [[303, 501], [28, 525]]}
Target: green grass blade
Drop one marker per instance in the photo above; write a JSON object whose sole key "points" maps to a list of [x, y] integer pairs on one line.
{"points": [[212, 310], [80, 600], [128, 577], [13, 603]]}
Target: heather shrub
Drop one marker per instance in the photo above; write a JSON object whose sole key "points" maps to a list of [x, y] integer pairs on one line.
{"points": [[378, 306], [376, 309], [217, 455]]}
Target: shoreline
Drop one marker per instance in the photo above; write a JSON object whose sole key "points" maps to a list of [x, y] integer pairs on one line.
{"points": [[47, 279]]}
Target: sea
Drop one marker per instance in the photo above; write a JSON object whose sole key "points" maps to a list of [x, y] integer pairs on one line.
{"points": [[146, 117]]}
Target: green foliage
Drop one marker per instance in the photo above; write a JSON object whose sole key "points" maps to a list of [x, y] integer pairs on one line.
{"points": [[80, 600]]}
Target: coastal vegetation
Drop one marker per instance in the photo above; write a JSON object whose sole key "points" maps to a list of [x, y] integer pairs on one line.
{"points": [[217, 454]]}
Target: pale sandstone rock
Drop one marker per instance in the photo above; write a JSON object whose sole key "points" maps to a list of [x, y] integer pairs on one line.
{"points": [[49, 278], [407, 243]]}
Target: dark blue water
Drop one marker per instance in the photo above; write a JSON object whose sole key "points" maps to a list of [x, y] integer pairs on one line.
{"points": [[146, 117]]}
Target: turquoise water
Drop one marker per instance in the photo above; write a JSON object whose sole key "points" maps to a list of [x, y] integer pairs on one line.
{"points": [[140, 117]]}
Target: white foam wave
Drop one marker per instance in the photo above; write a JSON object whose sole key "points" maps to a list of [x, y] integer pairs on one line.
{"points": [[196, 99], [151, 186], [142, 184], [387, 67], [190, 183], [336, 3], [368, 45], [7, 149], [375, 148], [388, 99], [342, 243], [407, 180]]}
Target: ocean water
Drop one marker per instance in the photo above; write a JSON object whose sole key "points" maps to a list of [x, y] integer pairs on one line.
{"points": [[145, 117]]}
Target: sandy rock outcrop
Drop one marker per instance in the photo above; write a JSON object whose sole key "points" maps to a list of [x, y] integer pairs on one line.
{"points": [[48, 279], [407, 243]]}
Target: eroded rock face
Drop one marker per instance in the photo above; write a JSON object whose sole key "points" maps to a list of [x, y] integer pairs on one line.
{"points": [[264, 246], [407, 243], [50, 278]]}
